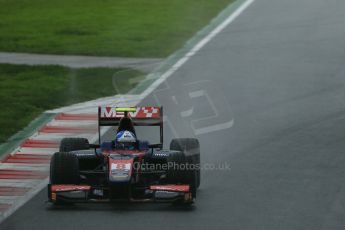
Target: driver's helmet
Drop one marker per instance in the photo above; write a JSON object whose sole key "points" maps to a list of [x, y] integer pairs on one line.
{"points": [[125, 140]]}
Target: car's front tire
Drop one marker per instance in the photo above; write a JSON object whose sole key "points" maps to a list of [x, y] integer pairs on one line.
{"points": [[190, 147], [187, 152], [64, 169]]}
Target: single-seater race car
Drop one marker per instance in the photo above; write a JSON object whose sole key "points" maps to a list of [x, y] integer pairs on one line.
{"points": [[125, 168]]}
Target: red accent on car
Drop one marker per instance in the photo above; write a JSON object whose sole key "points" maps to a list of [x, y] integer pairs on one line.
{"points": [[174, 188], [64, 188]]}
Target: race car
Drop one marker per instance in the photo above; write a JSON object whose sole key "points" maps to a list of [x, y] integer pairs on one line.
{"points": [[125, 168]]}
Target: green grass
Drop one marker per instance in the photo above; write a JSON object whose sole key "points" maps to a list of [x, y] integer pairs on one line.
{"points": [[140, 28], [27, 91]]}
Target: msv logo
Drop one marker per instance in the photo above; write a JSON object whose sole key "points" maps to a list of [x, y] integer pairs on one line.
{"points": [[141, 112]]}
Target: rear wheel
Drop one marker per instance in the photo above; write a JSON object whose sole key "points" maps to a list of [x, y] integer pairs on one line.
{"points": [[72, 144]]}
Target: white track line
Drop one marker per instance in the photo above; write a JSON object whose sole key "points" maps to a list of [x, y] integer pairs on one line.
{"points": [[197, 47]]}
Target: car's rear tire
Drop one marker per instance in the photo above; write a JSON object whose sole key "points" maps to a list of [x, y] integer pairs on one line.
{"points": [[72, 144], [64, 169]]}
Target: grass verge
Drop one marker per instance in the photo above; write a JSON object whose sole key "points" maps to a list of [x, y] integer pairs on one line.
{"points": [[139, 28], [27, 91]]}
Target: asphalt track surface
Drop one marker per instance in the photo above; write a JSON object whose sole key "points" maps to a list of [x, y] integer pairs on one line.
{"points": [[278, 72]]}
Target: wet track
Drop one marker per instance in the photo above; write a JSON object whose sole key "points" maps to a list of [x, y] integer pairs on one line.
{"points": [[277, 78]]}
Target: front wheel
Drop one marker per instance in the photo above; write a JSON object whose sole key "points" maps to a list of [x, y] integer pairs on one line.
{"points": [[64, 169], [190, 149]]}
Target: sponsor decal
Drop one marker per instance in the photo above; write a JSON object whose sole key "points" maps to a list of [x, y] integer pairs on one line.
{"points": [[120, 169], [141, 112]]}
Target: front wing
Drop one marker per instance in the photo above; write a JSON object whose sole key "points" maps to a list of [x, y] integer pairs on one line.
{"points": [[86, 193]]}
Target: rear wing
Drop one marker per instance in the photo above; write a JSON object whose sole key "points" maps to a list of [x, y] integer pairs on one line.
{"points": [[141, 116]]}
